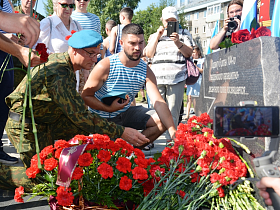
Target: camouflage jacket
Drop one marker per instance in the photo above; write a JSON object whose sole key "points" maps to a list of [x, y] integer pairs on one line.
{"points": [[54, 94]]}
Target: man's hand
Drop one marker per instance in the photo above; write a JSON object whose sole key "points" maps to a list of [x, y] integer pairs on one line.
{"points": [[175, 38], [20, 23], [115, 106], [23, 57], [271, 183], [160, 31], [12, 37], [134, 137]]}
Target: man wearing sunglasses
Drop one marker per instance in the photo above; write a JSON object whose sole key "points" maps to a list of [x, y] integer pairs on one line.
{"points": [[59, 111]]}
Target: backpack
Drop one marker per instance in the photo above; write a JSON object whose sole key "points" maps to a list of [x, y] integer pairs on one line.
{"points": [[192, 71]]}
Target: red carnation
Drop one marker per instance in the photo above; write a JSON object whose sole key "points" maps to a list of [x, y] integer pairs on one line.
{"points": [[240, 36], [181, 193], [50, 164], [18, 194], [41, 47], [64, 196], [125, 183], [32, 172], [73, 31], [44, 56], [16, 11], [263, 31], [105, 170], [139, 173], [61, 144], [49, 150], [104, 156], [123, 165], [253, 33], [57, 153], [85, 159], [78, 173]]}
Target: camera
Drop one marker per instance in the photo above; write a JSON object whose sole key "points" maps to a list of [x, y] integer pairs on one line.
{"points": [[246, 121], [172, 27], [232, 24]]}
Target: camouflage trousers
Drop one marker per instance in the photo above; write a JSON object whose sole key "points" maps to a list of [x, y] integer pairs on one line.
{"points": [[12, 177]]}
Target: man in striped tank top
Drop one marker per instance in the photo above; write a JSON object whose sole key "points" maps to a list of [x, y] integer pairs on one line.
{"points": [[126, 73]]}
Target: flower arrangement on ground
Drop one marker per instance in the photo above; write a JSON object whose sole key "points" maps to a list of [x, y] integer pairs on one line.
{"points": [[195, 171], [107, 173]]}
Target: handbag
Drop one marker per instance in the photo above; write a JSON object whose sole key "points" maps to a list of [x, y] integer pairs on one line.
{"points": [[192, 71]]}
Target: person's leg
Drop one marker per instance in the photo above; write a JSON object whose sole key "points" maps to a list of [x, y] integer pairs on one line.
{"points": [[189, 102], [143, 94], [174, 98]]}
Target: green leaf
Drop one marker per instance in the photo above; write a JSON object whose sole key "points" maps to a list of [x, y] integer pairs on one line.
{"points": [[254, 24], [49, 178], [157, 155]]}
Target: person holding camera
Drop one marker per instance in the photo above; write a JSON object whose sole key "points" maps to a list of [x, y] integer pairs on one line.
{"points": [[268, 182], [169, 65], [231, 24]]}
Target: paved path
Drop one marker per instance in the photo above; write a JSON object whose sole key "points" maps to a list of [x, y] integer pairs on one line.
{"points": [[7, 197]]}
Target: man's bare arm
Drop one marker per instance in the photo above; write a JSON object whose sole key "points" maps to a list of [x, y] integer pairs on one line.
{"points": [[159, 104], [113, 38], [18, 51]]}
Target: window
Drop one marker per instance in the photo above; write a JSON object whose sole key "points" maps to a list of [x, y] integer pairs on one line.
{"points": [[182, 2], [196, 30], [212, 10], [204, 43], [205, 13], [196, 16], [187, 17], [204, 29]]}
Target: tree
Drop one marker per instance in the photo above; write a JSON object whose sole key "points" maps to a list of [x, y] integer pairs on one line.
{"points": [[109, 10], [149, 19], [48, 7]]}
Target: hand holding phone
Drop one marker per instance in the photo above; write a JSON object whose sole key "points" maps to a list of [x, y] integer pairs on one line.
{"points": [[172, 27]]}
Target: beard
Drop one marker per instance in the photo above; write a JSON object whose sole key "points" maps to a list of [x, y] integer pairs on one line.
{"points": [[130, 57]]}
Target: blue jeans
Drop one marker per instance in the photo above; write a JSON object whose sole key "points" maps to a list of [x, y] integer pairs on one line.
{"points": [[6, 87]]}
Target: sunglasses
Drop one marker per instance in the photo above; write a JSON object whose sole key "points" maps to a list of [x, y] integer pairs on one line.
{"points": [[84, 0], [71, 6]]}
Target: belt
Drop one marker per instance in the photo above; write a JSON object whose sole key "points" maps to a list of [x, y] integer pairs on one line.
{"points": [[18, 117]]}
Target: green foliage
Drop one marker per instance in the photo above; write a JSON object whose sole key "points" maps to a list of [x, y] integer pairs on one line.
{"points": [[109, 10], [226, 43], [149, 19], [48, 7]]}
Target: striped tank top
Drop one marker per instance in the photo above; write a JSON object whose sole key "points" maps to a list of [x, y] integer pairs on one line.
{"points": [[119, 47], [124, 79]]}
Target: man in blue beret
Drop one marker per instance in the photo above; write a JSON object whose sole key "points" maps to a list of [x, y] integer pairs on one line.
{"points": [[59, 110], [127, 72]]}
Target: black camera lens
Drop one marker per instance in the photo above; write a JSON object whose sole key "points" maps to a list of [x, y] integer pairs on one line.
{"points": [[232, 24]]}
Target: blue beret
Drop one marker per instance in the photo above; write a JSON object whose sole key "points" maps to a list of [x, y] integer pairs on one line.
{"points": [[85, 39], [115, 93]]}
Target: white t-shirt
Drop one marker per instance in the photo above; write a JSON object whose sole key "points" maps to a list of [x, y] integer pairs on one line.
{"points": [[53, 33]]}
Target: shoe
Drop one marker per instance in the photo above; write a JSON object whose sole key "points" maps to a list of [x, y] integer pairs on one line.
{"points": [[192, 112], [143, 100], [7, 159], [149, 147]]}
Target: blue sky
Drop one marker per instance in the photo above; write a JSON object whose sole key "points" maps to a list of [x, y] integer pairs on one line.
{"points": [[142, 5]]}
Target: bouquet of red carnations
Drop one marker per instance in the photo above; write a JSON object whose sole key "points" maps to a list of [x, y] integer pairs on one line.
{"points": [[94, 169], [198, 171]]}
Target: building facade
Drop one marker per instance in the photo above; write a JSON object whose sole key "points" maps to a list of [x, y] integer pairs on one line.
{"points": [[200, 18]]}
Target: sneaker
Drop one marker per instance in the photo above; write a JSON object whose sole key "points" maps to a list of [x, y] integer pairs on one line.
{"points": [[143, 100], [192, 112], [7, 159]]}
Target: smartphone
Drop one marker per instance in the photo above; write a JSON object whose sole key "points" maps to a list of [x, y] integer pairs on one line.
{"points": [[109, 100], [172, 27], [246, 121], [195, 61]]}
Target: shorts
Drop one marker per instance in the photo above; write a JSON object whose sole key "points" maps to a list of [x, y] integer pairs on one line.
{"points": [[194, 89], [134, 117]]}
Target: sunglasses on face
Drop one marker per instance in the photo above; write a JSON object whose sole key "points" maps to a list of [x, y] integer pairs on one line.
{"points": [[71, 6], [84, 0]]}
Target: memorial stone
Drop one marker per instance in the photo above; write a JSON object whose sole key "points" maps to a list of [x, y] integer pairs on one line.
{"points": [[249, 71]]}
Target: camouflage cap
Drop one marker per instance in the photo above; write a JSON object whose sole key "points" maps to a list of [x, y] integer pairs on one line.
{"points": [[85, 39]]}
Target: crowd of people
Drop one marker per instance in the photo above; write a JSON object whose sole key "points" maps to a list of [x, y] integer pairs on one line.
{"points": [[69, 90]]}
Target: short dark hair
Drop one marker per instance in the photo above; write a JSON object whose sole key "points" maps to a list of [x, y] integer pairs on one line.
{"points": [[232, 2], [132, 28], [110, 24], [127, 12]]}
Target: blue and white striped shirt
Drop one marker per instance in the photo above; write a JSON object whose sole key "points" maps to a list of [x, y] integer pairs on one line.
{"points": [[123, 79], [6, 8], [87, 20]]}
